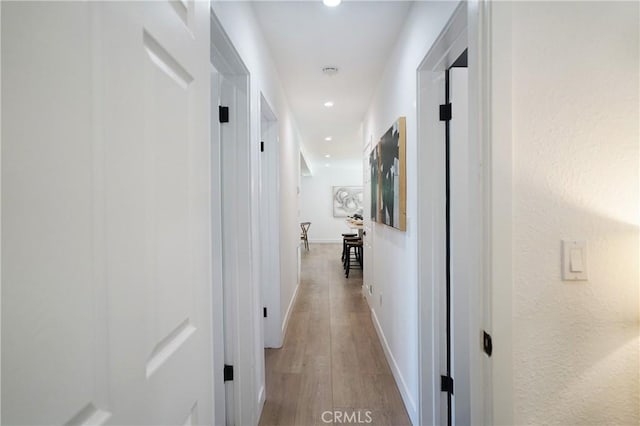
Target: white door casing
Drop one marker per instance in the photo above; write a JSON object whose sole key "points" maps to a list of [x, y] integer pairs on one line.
{"points": [[109, 191], [230, 247], [467, 28], [269, 224], [242, 315]]}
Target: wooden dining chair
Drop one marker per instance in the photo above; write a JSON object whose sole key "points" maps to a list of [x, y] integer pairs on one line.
{"points": [[304, 236]]}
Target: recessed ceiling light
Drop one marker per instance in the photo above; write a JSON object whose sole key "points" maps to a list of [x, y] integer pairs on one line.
{"points": [[327, 156], [330, 71], [328, 138], [331, 3], [328, 104]]}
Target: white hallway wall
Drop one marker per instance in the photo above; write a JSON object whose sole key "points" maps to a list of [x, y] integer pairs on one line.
{"points": [[574, 147], [316, 201], [394, 264], [238, 20]]}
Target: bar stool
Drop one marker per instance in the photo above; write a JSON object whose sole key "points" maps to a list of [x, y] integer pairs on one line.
{"points": [[356, 245], [345, 240], [344, 246]]}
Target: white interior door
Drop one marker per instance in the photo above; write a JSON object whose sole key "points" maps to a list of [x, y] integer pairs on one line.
{"points": [[432, 247], [461, 180], [156, 156], [440, 242], [107, 296], [54, 330]]}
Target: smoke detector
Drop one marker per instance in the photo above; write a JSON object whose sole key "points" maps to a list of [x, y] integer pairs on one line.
{"points": [[330, 71]]}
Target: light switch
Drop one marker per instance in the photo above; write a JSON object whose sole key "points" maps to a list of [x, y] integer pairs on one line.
{"points": [[574, 260]]}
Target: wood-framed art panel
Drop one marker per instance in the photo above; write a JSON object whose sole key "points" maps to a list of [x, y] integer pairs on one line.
{"points": [[392, 174]]}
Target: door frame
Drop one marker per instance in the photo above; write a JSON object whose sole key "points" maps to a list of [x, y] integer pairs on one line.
{"points": [[269, 226], [468, 28], [237, 264], [0, 207]]}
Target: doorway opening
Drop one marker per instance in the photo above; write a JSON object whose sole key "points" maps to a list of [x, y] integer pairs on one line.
{"points": [[236, 370], [457, 181], [450, 222], [269, 232]]}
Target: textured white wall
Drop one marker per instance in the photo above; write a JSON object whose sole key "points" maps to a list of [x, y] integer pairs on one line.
{"points": [[394, 265], [316, 202], [575, 144]]}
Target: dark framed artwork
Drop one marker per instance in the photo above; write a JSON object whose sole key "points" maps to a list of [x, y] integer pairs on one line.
{"points": [[393, 176]]}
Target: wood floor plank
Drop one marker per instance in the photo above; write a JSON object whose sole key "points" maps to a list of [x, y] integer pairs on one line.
{"points": [[332, 365]]}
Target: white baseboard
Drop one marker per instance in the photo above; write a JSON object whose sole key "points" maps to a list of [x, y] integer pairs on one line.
{"points": [[285, 323], [261, 400], [409, 403]]}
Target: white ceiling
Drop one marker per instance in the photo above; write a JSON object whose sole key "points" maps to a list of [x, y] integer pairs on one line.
{"points": [[356, 37]]}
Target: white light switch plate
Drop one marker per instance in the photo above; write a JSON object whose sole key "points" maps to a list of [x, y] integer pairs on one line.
{"points": [[574, 260]]}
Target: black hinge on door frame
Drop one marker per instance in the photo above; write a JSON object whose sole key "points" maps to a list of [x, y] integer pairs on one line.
{"points": [[446, 384], [223, 114], [261, 146], [487, 343], [264, 312], [228, 373], [445, 112]]}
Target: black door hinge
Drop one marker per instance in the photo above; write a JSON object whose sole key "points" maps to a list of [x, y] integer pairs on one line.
{"points": [[261, 146], [487, 343], [223, 114], [228, 373], [445, 112], [264, 312], [446, 384]]}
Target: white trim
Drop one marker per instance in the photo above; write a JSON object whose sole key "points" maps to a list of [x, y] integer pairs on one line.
{"points": [[498, 181], [285, 323], [237, 230], [409, 402], [467, 28], [0, 205], [325, 241], [261, 399], [430, 222]]}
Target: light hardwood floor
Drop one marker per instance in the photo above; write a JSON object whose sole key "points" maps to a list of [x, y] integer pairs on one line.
{"points": [[331, 359]]}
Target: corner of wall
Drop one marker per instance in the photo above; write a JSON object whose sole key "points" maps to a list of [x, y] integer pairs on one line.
{"points": [[287, 316], [500, 181]]}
